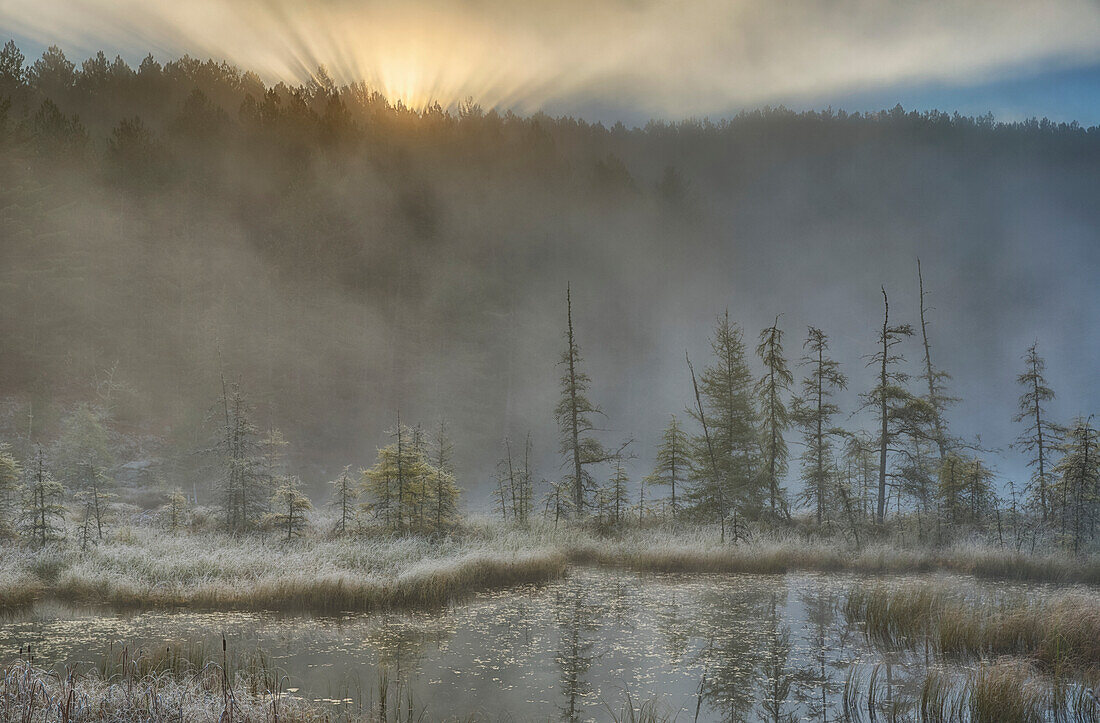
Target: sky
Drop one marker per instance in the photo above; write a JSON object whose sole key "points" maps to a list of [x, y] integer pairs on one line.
{"points": [[628, 60]]}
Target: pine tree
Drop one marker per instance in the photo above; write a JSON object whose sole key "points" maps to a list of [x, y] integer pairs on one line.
{"points": [[574, 415], [726, 389], [774, 418], [43, 506], [344, 496], [814, 411], [1039, 435], [673, 461], [290, 507]]}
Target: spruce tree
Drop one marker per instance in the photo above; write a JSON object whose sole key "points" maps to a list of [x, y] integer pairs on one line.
{"points": [[774, 418]]}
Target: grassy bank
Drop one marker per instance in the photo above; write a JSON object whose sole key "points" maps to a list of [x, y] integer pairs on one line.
{"points": [[1059, 632], [142, 566], [700, 551]]}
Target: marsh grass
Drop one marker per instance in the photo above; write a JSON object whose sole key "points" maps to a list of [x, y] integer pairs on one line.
{"points": [[1060, 631], [138, 690], [144, 567], [1005, 690]]}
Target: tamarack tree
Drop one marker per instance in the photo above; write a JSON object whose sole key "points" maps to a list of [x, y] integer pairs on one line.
{"points": [[574, 414], [774, 417], [402, 486], [290, 507], [814, 411], [43, 504], [345, 494], [1040, 435]]}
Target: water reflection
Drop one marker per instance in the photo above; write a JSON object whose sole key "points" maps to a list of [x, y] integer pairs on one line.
{"points": [[722, 648]]}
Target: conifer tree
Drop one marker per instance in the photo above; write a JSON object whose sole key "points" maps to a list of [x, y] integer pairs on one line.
{"points": [[774, 418], [618, 492], [1039, 435], [175, 510], [445, 491], [94, 494], [345, 493], [574, 414], [1077, 484], [726, 389], [814, 411], [10, 471], [400, 482], [43, 506], [290, 507], [897, 411], [936, 380], [245, 485], [952, 485], [673, 461], [861, 470]]}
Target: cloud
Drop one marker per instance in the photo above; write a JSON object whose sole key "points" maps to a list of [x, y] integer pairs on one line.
{"points": [[670, 58]]}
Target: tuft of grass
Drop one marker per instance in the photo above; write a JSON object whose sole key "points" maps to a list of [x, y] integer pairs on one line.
{"points": [[1005, 690], [1060, 631]]}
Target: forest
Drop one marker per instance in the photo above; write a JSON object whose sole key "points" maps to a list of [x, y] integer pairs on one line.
{"points": [[302, 349]]}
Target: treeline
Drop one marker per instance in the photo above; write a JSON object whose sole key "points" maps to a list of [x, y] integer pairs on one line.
{"points": [[68, 490], [150, 125], [726, 458]]}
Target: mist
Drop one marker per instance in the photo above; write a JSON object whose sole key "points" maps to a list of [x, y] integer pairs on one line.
{"points": [[347, 261]]}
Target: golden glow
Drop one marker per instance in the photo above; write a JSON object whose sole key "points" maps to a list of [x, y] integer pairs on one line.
{"points": [[665, 57]]}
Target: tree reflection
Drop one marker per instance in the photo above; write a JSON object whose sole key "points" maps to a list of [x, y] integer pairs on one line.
{"points": [[733, 653], [777, 677], [576, 618]]}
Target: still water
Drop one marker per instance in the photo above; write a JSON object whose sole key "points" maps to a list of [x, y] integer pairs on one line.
{"points": [[723, 647]]}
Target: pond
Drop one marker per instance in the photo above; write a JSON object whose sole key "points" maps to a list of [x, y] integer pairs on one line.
{"points": [[707, 647]]}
